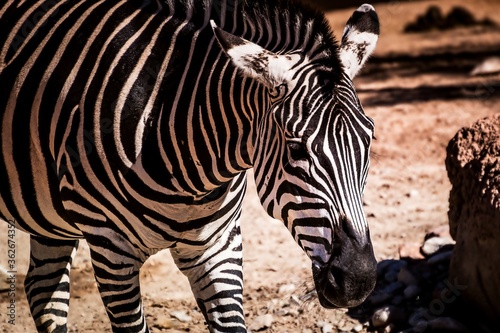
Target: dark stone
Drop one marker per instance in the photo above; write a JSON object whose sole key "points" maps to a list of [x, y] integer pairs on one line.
{"points": [[473, 165], [433, 19]]}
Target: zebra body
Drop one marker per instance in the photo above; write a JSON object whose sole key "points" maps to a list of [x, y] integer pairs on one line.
{"points": [[131, 123]]}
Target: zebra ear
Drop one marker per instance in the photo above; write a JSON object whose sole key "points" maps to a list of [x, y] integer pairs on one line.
{"points": [[265, 66], [359, 39]]}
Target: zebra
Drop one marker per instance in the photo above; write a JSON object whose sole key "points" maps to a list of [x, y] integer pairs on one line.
{"points": [[130, 124]]}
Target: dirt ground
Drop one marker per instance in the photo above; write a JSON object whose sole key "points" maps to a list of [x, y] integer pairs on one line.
{"points": [[418, 89]]}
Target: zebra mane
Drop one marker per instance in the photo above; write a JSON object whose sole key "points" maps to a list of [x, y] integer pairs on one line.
{"points": [[280, 26]]}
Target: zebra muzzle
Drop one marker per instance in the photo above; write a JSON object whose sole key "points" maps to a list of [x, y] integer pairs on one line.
{"points": [[338, 288], [350, 274]]}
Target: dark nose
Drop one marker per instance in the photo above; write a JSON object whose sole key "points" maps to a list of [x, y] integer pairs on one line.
{"points": [[350, 275]]}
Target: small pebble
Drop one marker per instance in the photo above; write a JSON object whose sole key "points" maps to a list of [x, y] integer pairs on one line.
{"points": [[181, 316], [412, 291], [327, 328], [393, 288], [379, 298], [295, 300], [380, 317], [321, 323], [347, 327], [421, 326], [440, 257], [287, 288], [388, 315], [406, 277], [391, 276], [397, 300], [357, 328], [447, 324], [164, 323], [420, 318], [262, 322], [390, 265], [433, 244], [389, 329]]}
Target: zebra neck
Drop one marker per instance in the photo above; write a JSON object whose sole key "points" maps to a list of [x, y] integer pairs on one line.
{"points": [[208, 139]]}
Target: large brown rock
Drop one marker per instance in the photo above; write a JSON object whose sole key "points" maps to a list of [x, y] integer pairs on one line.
{"points": [[473, 165]]}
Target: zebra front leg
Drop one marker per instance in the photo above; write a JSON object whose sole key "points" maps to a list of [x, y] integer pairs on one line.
{"points": [[216, 278], [116, 265], [47, 282]]}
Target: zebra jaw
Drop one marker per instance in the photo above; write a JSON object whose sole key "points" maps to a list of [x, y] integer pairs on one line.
{"points": [[267, 67]]}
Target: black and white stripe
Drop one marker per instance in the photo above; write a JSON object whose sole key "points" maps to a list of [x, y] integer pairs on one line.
{"points": [[130, 124]]}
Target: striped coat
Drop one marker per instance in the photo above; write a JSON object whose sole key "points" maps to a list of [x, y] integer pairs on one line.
{"points": [[131, 123]]}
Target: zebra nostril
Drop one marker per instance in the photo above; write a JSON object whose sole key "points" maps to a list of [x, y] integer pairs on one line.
{"points": [[331, 278]]}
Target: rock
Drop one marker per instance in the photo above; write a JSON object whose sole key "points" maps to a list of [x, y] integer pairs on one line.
{"points": [[440, 257], [181, 316], [459, 16], [380, 317], [347, 327], [433, 19], [165, 323], [379, 298], [391, 276], [385, 266], [438, 290], [397, 300], [261, 322], [412, 291], [287, 288], [410, 250], [487, 67], [406, 277], [421, 326], [419, 319], [393, 288], [473, 166], [327, 328], [297, 301], [388, 315], [433, 244], [357, 328], [389, 329], [446, 324]]}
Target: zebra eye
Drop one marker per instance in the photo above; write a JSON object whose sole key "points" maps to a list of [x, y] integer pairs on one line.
{"points": [[297, 151]]}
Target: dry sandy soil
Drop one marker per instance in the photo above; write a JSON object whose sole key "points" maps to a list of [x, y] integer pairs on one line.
{"points": [[419, 91]]}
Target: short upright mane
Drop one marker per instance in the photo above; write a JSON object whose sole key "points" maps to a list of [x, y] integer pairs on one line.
{"points": [[281, 26], [288, 26], [291, 16]]}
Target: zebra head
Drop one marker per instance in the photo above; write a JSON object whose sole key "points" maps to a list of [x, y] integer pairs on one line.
{"points": [[311, 152]]}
